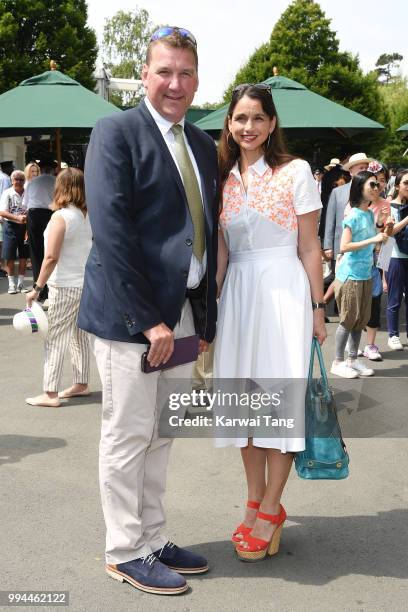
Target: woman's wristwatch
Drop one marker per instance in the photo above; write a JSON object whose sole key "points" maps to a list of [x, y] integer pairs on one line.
{"points": [[37, 288], [316, 305]]}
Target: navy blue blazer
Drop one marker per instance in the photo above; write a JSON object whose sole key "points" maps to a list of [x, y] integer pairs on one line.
{"points": [[137, 270]]}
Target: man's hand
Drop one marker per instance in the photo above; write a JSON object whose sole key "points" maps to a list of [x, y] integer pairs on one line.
{"points": [[161, 340], [21, 219], [203, 347], [329, 253]]}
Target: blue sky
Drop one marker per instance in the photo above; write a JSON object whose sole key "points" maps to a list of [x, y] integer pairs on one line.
{"points": [[228, 31]]}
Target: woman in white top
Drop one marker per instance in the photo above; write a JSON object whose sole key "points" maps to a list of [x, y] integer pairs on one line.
{"points": [[270, 304], [67, 241]]}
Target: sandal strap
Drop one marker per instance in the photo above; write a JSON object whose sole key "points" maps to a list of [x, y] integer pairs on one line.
{"points": [[253, 504], [276, 519], [242, 529], [253, 543]]}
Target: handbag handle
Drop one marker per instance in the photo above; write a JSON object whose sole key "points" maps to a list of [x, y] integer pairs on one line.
{"points": [[317, 348]]}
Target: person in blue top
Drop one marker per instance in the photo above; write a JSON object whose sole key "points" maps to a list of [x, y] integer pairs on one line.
{"points": [[353, 283], [397, 273]]}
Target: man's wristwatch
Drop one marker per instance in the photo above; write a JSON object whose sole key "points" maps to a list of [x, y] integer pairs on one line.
{"points": [[37, 288], [316, 305]]}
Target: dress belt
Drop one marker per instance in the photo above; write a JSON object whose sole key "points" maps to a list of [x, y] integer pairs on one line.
{"points": [[259, 254]]}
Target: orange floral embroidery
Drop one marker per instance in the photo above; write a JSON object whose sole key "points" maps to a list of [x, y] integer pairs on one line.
{"points": [[271, 195]]}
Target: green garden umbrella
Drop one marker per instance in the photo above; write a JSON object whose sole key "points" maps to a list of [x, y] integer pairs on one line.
{"points": [[302, 113], [51, 103], [403, 128]]}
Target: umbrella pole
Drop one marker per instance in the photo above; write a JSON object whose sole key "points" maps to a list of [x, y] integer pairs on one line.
{"points": [[58, 146]]}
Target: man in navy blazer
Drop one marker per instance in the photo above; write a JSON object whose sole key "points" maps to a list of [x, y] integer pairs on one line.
{"points": [[152, 196]]}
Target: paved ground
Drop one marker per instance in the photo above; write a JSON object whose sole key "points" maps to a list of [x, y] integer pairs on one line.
{"points": [[343, 549]]}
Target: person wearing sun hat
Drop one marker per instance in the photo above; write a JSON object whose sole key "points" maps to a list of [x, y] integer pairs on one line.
{"points": [[332, 163], [337, 203]]}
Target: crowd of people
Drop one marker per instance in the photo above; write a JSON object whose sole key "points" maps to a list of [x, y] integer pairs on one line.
{"points": [[167, 229], [25, 210], [362, 203]]}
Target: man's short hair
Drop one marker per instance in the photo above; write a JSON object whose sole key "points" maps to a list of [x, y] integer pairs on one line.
{"points": [[17, 174], [174, 40]]}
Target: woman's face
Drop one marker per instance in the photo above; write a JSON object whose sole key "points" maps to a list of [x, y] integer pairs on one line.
{"points": [[403, 187], [382, 180], [249, 125], [371, 189], [340, 181], [33, 171]]}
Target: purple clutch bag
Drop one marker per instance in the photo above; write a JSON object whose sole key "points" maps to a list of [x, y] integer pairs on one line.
{"points": [[185, 351]]}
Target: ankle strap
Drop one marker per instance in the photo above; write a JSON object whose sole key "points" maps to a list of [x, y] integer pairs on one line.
{"points": [[253, 504], [273, 518]]}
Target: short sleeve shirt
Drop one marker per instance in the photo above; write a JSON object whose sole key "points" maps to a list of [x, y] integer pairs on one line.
{"points": [[12, 202], [357, 265]]}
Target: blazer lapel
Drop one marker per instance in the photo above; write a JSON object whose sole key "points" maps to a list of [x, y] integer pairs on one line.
{"points": [[157, 135]]}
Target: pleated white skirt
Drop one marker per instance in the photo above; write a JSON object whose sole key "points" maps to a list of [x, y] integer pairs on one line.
{"points": [[264, 332]]}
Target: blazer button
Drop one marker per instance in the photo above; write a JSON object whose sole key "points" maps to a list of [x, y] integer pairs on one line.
{"points": [[185, 274], [189, 242]]}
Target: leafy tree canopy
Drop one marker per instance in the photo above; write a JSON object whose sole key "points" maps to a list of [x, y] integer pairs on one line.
{"points": [[305, 49], [385, 64], [32, 32], [125, 39]]}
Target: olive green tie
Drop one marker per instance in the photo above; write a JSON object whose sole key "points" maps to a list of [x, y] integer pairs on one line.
{"points": [[192, 190]]}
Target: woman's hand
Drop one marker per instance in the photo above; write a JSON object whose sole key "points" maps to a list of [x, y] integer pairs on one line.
{"points": [[380, 237], [31, 297], [319, 326]]}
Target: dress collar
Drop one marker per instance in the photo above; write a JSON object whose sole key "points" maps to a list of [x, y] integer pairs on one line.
{"points": [[162, 123], [259, 167]]}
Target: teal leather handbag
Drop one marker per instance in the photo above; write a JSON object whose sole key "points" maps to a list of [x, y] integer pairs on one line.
{"points": [[325, 456]]}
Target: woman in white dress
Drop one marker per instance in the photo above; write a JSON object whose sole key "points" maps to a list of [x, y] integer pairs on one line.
{"points": [[271, 302]]}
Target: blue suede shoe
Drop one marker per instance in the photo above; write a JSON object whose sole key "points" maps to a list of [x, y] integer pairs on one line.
{"points": [[149, 575], [181, 560]]}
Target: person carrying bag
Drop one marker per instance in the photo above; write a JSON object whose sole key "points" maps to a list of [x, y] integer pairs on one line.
{"points": [[325, 456]]}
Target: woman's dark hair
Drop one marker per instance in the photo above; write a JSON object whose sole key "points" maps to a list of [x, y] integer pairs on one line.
{"points": [[275, 149], [329, 182], [398, 179], [357, 186]]}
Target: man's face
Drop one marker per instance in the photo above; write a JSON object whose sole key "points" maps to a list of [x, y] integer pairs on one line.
{"points": [[170, 80], [18, 184], [358, 168]]}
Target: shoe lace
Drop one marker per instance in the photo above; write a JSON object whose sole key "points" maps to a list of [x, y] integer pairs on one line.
{"points": [[150, 559], [167, 545]]}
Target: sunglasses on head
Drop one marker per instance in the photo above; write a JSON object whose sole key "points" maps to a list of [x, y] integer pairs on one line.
{"points": [[169, 30], [259, 86]]}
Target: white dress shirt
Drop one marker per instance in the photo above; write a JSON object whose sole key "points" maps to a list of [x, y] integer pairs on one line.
{"points": [[197, 268], [39, 192]]}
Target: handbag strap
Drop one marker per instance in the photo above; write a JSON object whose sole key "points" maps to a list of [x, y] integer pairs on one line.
{"points": [[317, 348]]}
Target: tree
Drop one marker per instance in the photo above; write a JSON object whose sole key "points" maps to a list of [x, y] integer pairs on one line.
{"points": [[395, 97], [32, 32], [385, 64], [125, 40], [305, 49]]}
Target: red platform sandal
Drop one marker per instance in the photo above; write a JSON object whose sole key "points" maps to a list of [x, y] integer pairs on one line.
{"points": [[243, 530], [256, 548]]}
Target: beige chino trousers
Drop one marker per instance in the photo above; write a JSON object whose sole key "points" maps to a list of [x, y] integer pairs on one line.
{"points": [[132, 457]]}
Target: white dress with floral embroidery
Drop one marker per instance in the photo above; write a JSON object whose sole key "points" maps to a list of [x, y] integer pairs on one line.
{"points": [[265, 320]]}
